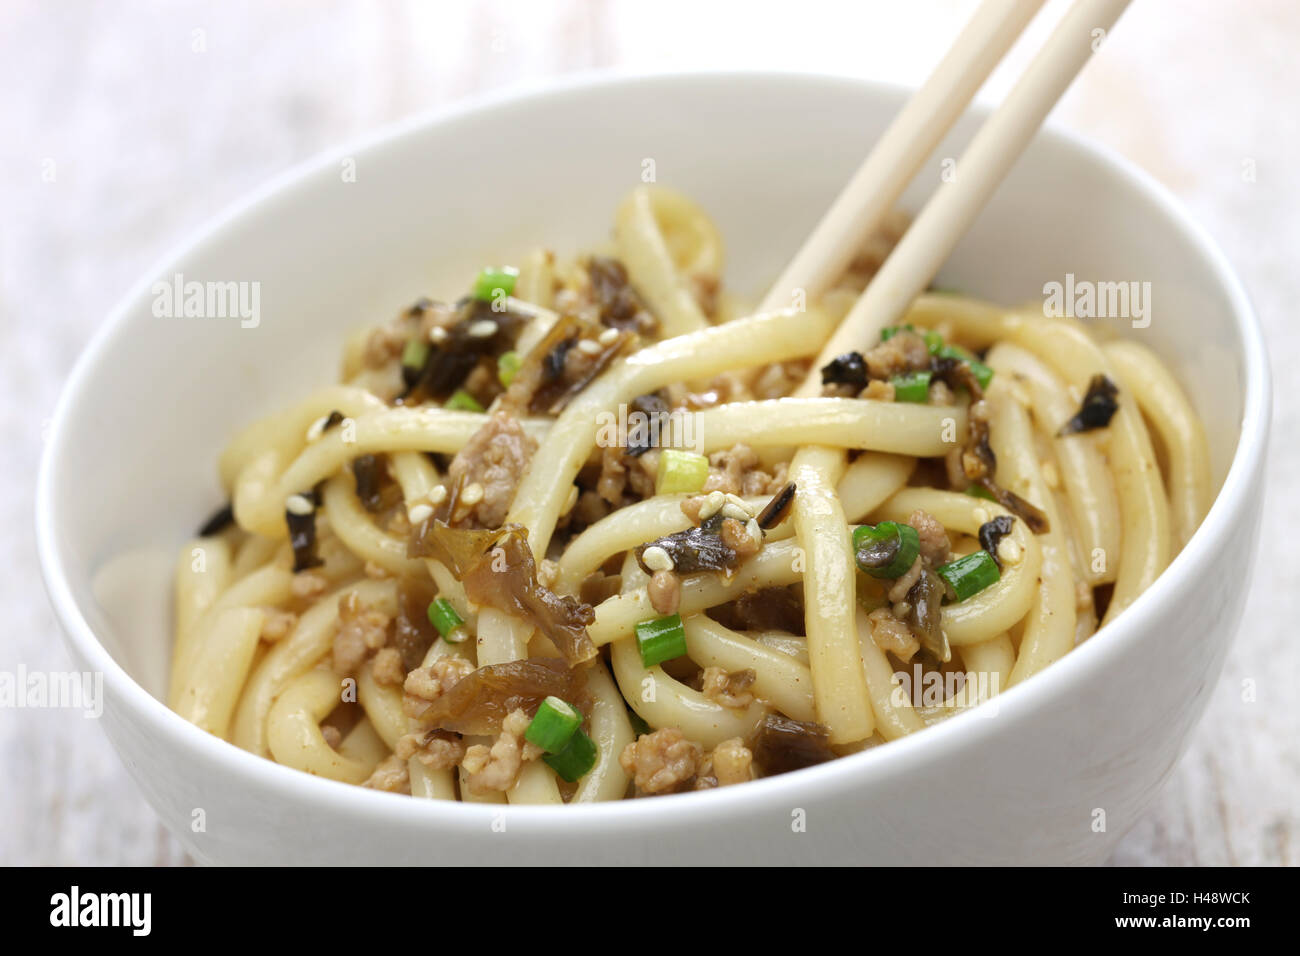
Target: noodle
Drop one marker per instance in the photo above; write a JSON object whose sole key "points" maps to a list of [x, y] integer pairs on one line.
{"points": [[753, 575]]}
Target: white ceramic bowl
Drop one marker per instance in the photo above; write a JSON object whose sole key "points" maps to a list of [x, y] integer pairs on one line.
{"points": [[129, 470]]}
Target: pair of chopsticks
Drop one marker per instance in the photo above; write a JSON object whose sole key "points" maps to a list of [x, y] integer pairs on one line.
{"points": [[906, 144]]}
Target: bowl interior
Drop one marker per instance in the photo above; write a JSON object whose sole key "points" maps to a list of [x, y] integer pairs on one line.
{"points": [[361, 234]]}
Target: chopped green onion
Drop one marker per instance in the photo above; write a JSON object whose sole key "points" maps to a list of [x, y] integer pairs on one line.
{"points": [[507, 367], [449, 624], [886, 551], [889, 331], [680, 472], [933, 341], [979, 491], [494, 283], [983, 374], [462, 401], [660, 639], [970, 574], [553, 725], [912, 387], [575, 760], [415, 354]]}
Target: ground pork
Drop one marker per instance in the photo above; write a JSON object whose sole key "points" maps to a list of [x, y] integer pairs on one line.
{"points": [[779, 379], [730, 762], [426, 684], [392, 775], [435, 749], [376, 572], [388, 669], [878, 390], [613, 475], [661, 761], [386, 342], [308, 584], [665, 592], [591, 507], [735, 471], [276, 623], [730, 689], [934, 539], [891, 635], [494, 460], [497, 768], [622, 475], [362, 631], [735, 536], [904, 351], [941, 394]]}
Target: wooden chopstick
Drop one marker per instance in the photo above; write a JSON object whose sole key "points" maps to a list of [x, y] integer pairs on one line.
{"points": [[991, 153], [899, 153]]}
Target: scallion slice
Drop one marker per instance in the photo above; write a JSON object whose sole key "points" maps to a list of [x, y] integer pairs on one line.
{"points": [[889, 331], [553, 725], [661, 639], [933, 341], [979, 491], [449, 624], [494, 282], [462, 401], [415, 354], [507, 367], [576, 759], [887, 550], [970, 574], [912, 387], [983, 374], [680, 472]]}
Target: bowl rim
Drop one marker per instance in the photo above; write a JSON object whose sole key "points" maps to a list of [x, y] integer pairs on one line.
{"points": [[137, 706]]}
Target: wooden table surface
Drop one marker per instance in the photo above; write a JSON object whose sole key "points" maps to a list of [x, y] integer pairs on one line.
{"points": [[127, 125]]}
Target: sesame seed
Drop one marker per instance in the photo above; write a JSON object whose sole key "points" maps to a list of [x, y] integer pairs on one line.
{"points": [[657, 559], [754, 531], [729, 510], [437, 335], [419, 513], [608, 337], [438, 494], [483, 329], [712, 505], [472, 494], [589, 347], [739, 502], [1009, 552], [299, 505]]}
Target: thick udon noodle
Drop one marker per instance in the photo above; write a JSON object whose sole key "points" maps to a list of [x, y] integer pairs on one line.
{"points": [[251, 659]]}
